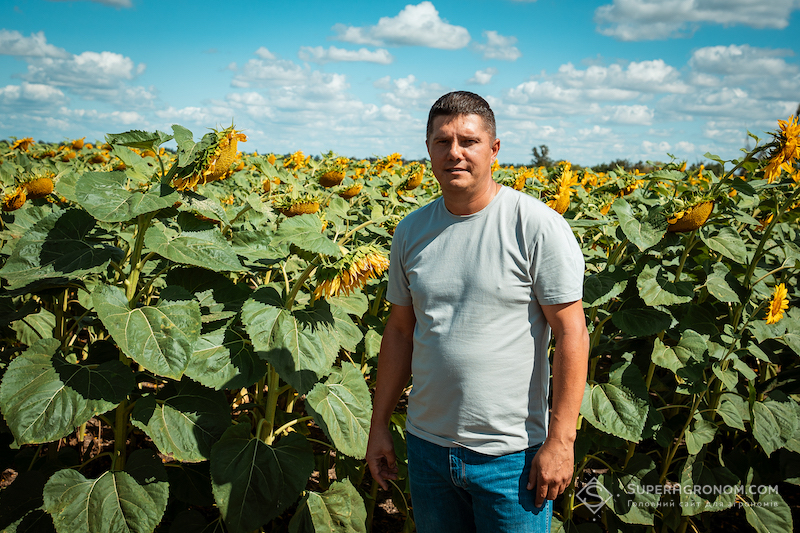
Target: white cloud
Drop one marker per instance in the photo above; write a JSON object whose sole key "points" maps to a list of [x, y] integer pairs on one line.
{"points": [[406, 93], [31, 94], [263, 53], [111, 3], [88, 71], [482, 77], [13, 43], [270, 73], [657, 148], [653, 76], [418, 25], [741, 60], [320, 55], [639, 20], [628, 114], [499, 47]]}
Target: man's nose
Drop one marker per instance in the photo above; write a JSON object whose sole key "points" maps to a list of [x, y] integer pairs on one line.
{"points": [[455, 150]]}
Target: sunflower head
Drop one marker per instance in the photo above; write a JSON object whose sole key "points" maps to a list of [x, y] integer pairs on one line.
{"points": [[38, 187], [351, 272], [77, 144], [352, 190], [15, 200], [689, 217], [22, 144], [215, 162], [778, 304], [413, 177], [332, 175]]}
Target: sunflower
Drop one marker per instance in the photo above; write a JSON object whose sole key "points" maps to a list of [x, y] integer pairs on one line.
{"points": [[560, 201], [215, 163], [778, 304], [351, 272], [332, 176], [388, 162], [413, 177], [15, 200], [351, 191], [22, 144], [295, 161], [787, 151], [691, 218], [39, 187]]}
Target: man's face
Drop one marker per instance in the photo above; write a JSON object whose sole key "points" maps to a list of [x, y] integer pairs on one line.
{"points": [[462, 152]]}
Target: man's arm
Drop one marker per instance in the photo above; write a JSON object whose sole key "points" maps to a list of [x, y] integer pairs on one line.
{"points": [[552, 467], [394, 371]]}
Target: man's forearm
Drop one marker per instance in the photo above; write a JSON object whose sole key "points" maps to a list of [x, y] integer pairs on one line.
{"points": [[394, 367], [570, 363]]}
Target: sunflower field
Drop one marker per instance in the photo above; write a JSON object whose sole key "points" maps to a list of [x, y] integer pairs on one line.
{"points": [[190, 337]]}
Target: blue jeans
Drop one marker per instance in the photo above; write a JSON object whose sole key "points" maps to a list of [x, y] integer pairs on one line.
{"points": [[458, 490]]}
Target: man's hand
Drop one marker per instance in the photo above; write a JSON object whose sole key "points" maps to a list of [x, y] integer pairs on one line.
{"points": [[380, 456], [551, 470]]}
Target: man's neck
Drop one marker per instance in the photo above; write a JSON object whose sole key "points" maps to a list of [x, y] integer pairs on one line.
{"points": [[468, 203]]}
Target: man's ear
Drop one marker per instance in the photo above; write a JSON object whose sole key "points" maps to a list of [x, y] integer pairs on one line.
{"points": [[495, 148]]}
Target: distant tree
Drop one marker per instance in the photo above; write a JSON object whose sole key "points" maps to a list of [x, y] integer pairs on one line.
{"points": [[541, 156]]}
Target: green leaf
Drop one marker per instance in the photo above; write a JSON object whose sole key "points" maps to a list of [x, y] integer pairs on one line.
{"points": [[184, 420], [110, 197], [720, 282], [34, 326], [630, 499], [66, 244], [191, 483], [223, 359], [601, 287], [656, 289], [615, 407], [205, 248], [342, 407], [115, 502], [769, 514], [641, 322], [340, 509], [300, 346], [725, 241], [774, 421], [730, 409], [194, 203], [257, 245], [305, 231], [643, 234], [141, 140], [188, 151], [254, 482], [44, 398], [701, 433], [161, 338], [696, 473]]}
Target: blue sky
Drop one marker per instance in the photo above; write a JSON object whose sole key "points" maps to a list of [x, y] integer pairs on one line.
{"points": [[593, 80]]}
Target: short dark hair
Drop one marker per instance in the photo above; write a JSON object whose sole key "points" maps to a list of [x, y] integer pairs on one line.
{"points": [[462, 103]]}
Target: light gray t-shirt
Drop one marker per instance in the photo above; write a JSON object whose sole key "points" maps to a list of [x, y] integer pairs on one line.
{"points": [[476, 283]]}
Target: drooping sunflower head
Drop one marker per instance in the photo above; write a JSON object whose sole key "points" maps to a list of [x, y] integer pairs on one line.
{"points": [[22, 144], [14, 200], [291, 206], [38, 186], [388, 163], [778, 304], [295, 161], [563, 189], [413, 177], [332, 175], [215, 163], [348, 192], [688, 213], [786, 151], [351, 272]]}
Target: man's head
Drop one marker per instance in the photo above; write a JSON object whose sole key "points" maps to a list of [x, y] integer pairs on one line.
{"points": [[462, 103]]}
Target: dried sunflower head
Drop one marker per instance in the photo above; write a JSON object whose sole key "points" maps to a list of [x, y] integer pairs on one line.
{"points": [[413, 177]]}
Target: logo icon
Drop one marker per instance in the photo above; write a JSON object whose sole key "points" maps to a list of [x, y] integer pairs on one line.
{"points": [[593, 495]]}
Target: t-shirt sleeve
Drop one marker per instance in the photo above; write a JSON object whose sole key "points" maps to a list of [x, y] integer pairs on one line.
{"points": [[557, 264], [398, 292]]}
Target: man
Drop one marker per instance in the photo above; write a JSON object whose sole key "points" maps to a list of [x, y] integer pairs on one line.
{"points": [[478, 279]]}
